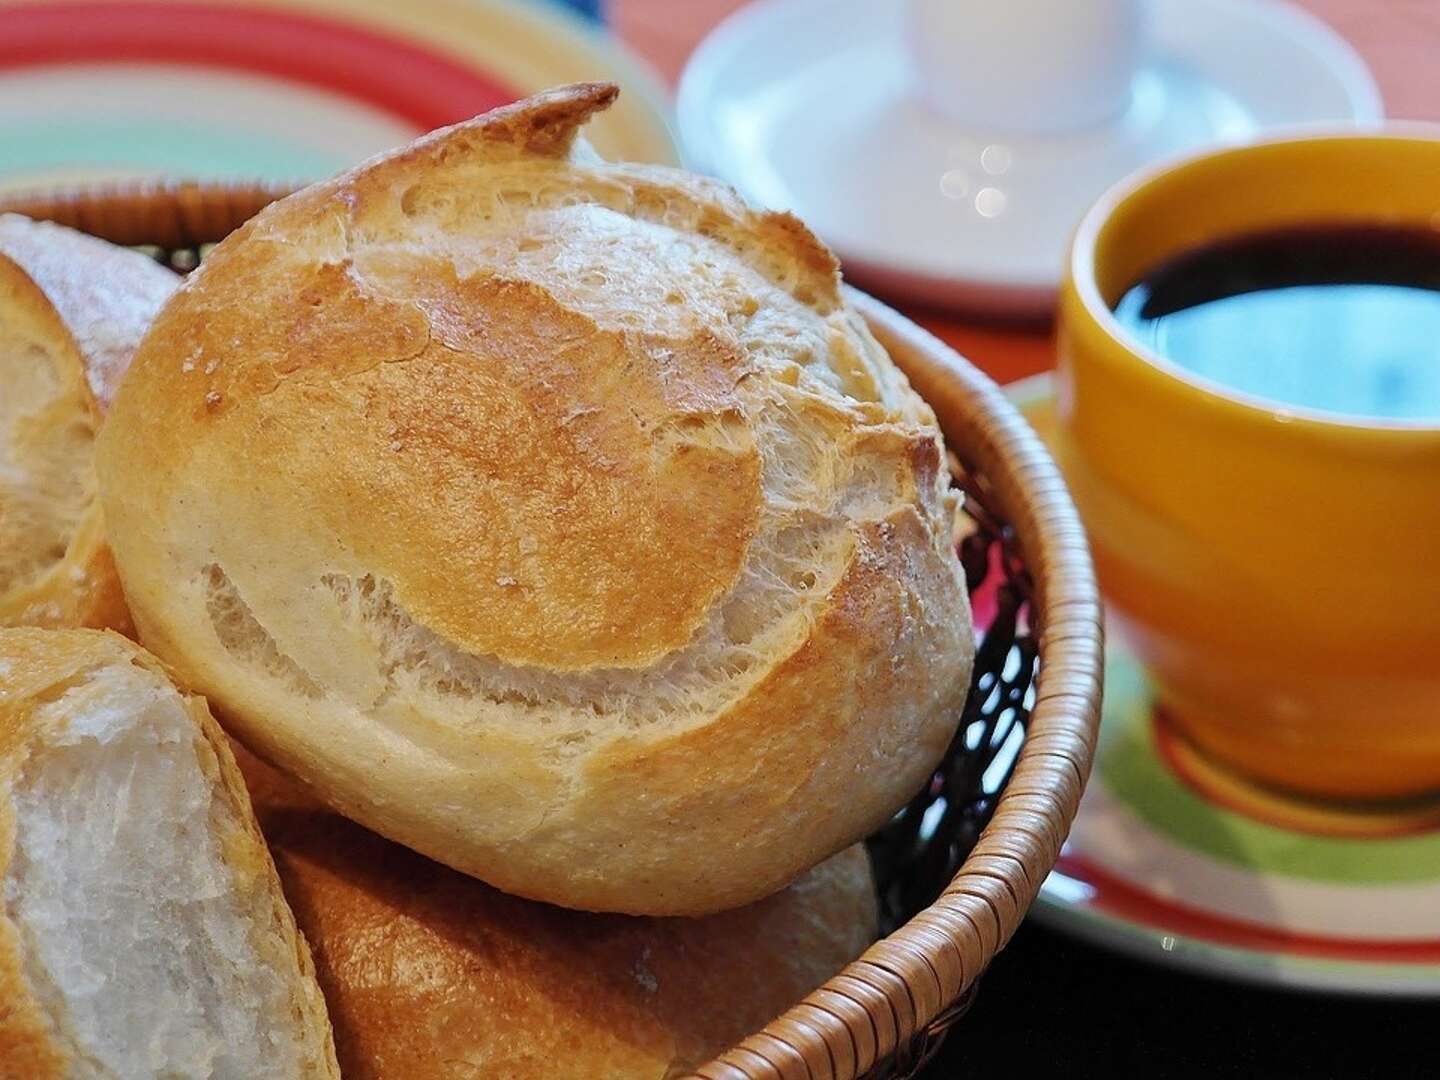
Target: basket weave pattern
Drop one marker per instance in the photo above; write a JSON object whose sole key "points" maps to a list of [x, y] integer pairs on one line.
{"points": [[958, 868]]}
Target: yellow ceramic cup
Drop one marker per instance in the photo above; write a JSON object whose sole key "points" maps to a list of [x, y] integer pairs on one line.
{"points": [[1277, 569]]}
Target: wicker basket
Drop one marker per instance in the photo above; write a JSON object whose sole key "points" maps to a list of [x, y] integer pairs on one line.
{"points": [[955, 880]]}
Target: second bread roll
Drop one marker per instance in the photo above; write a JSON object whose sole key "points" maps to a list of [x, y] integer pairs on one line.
{"points": [[72, 310], [555, 518], [431, 975]]}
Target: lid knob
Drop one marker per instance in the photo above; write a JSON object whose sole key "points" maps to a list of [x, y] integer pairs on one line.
{"points": [[1027, 66]]}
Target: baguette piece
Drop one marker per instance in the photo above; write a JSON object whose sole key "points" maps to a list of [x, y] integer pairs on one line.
{"points": [[431, 975], [557, 519], [144, 932], [72, 310]]}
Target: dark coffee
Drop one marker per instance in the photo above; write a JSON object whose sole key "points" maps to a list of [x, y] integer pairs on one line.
{"points": [[1344, 318]]}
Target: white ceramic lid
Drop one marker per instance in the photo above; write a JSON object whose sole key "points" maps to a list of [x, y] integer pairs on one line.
{"points": [[927, 177]]}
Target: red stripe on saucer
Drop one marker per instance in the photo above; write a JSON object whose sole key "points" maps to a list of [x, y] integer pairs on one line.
{"points": [[1122, 900]]}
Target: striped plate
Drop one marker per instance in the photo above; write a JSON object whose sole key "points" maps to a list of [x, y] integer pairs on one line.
{"points": [[284, 89]]}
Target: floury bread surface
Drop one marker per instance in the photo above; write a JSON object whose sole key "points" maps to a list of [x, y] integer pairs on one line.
{"points": [[555, 518], [143, 932], [72, 310]]}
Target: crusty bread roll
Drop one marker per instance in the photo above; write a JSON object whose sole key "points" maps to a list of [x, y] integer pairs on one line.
{"points": [[555, 518], [143, 932], [431, 975], [72, 310]]}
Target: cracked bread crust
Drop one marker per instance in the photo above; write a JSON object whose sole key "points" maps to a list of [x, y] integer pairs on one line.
{"points": [[123, 817], [555, 518]]}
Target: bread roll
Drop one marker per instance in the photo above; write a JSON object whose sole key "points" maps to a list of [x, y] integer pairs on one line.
{"points": [[431, 975], [555, 518], [72, 310], [143, 932]]}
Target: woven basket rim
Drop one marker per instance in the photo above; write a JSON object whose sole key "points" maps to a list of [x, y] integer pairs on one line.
{"points": [[907, 984]]}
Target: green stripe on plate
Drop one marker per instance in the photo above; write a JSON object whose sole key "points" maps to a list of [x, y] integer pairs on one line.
{"points": [[176, 150], [1130, 766]]}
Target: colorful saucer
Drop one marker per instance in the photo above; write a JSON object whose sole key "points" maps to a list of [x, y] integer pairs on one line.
{"points": [[1173, 862], [285, 89]]}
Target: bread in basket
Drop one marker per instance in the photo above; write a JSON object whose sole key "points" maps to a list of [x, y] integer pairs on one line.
{"points": [[959, 866]]}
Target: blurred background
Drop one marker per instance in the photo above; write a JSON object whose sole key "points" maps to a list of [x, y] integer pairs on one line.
{"points": [[286, 90], [957, 213]]}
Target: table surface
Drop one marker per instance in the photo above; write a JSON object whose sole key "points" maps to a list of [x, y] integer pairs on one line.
{"points": [[1050, 1001]]}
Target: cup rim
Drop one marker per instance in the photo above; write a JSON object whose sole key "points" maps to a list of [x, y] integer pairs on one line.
{"points": [[1081, 270]]}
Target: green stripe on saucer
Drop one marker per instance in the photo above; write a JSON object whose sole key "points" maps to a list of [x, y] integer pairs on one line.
{"points": [[1131, 768]]}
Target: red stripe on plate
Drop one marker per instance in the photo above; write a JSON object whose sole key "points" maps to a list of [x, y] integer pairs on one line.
{"points": [[1124, 901], [425, 88]]}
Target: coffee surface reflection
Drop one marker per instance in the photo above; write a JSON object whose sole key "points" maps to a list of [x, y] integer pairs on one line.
{"points": [[1342, 318]]}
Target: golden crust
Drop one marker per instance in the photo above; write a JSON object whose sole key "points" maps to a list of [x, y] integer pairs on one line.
{"points": [[82, 590], [80, 306], [432, 975], [486, 416], [38, 666], [554, 518], [796, 752]]}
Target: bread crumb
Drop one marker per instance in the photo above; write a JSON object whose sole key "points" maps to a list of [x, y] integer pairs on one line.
{"points": [[397, 445], [212, 399], [505, 581]]}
